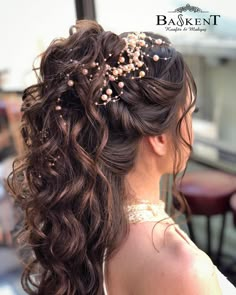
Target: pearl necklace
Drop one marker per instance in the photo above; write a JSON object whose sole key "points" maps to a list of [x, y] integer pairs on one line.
{"points": [[146, 211]]}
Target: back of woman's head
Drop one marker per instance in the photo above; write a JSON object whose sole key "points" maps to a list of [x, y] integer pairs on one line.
{"points": [[70, 181]]}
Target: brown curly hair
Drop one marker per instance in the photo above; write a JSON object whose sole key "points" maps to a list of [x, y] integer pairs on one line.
{"points": [[74, 209]]}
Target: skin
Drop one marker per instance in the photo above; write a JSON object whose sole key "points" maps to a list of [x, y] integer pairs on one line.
{"points": [[155, 159], [126, 272]]}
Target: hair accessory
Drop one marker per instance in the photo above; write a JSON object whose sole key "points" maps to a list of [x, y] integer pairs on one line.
{"points": [[43, 135], [135, 42], [58, 107], [52, 161], [129, 60]]}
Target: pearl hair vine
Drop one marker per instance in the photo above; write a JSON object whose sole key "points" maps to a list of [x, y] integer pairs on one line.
{"points": [[130, 60], [135, 42]]}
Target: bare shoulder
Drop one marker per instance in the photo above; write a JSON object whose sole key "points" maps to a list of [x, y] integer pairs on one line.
{"points": [[191, 271], [178, 268]]}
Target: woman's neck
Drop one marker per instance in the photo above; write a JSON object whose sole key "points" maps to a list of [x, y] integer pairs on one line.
{"points": [[143, 185]]}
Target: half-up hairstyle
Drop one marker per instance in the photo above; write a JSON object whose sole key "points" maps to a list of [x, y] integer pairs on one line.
{"points": [[70, 180]]}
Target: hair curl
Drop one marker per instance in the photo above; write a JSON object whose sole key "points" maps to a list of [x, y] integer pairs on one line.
{"points": [[75, 208]]}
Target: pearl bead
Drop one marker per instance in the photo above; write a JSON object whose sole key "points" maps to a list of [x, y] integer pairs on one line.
{"points": [[115, 72], [93, 64], [109, 91], [142, 35], [104, 97], [142, 43], [132, 43], [121, 59], [158, 41], [140, 64], [155, 57], [136, 53], [111, 78], [120, 71], [70, 83], [85, 71], [58, 108], [141, 74], [121, 84], [132, 67]]}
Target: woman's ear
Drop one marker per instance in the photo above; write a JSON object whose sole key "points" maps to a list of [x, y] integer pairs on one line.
{"points": [[158, 144]]}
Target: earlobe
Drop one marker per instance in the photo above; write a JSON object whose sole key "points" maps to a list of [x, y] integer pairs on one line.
{"points": [[158, 144]]}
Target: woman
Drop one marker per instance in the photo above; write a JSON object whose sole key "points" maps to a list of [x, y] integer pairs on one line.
{"points": [[108, 117]]}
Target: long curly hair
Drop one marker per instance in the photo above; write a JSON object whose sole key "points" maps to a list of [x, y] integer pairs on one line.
{"points": [[74, 207]]}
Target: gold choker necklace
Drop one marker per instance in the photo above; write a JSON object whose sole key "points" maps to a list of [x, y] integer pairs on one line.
{"points": [[145, 210]]}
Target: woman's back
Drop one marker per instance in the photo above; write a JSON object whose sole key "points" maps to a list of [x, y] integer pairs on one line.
{"points": [[179, 267]]}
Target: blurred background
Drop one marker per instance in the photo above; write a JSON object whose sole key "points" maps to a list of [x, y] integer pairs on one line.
{"points": [[28, 27]]}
